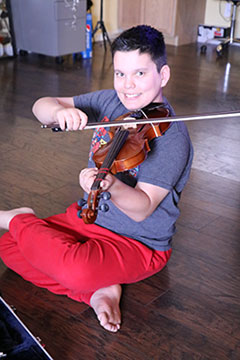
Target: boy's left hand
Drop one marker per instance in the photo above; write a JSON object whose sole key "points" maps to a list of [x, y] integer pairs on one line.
{"points": [[88, 175]]}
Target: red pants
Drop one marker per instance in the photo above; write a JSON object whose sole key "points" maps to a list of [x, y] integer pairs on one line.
{"points": [[68, 257]]}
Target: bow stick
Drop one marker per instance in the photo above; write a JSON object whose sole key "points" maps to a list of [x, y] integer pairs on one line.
{"points": [[131, 120]]}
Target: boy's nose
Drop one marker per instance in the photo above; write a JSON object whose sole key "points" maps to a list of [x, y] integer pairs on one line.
{"points": [[129, 83]]}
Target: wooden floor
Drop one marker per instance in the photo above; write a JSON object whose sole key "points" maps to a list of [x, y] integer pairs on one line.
{"points": [[190, 310]]}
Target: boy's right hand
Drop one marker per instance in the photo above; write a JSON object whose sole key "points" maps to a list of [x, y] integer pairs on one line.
{"points": [[71, 118]]}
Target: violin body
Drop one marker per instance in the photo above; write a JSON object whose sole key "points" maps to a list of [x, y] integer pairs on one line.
{"points": [[136, 147]]}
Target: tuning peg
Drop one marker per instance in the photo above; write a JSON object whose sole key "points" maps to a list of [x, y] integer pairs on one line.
{"points": [[103, 207], [105, 195], [81, 202], [79, 214]]}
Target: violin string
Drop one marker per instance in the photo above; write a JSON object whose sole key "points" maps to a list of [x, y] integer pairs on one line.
{"points": [[144, 114], [154, 129], [118, 141], [116, 146]]}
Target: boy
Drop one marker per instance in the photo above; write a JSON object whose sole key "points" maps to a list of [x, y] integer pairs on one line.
{"points": [[132, 241]]}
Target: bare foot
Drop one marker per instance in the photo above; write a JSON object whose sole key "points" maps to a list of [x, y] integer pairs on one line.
{"points": [[7, 216], [105, 303]]}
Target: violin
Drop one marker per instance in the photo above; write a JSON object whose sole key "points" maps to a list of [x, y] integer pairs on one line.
{"points": [[126, 149]]}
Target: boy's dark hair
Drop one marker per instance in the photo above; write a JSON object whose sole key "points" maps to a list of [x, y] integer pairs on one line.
{"points": [[144, 38]]}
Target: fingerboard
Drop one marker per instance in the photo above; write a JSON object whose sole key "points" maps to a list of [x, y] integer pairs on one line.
{"points": [[118, 141]]}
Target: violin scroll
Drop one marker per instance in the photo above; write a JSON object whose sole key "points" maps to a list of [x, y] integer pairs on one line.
{"points": [[89, 214]]}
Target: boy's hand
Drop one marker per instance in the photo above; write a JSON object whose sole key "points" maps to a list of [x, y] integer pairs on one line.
{"points": [[70, 118], [87, 177]]}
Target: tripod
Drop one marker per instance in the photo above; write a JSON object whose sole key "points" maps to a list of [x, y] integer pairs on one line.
{"points": [[100, 25]]}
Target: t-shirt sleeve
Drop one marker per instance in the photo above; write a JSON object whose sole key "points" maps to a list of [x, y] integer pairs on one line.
{"points": [[166, 162], [99, 104], [89, 103]]}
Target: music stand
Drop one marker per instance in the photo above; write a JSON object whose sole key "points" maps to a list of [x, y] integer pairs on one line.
{"points": [[100, 26]]}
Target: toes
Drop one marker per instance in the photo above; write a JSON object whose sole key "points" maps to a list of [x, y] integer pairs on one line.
{"points": [[103, 318], [112, 328], [104, 322]]}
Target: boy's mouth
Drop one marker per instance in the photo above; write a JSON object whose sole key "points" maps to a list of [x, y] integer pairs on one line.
{"points": [[131, 96]]}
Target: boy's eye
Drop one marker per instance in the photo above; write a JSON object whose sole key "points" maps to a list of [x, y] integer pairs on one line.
{"points": [[140, 73], [119, 74]]}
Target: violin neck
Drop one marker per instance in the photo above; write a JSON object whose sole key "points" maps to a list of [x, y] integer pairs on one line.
{"points": [[117, 143]]}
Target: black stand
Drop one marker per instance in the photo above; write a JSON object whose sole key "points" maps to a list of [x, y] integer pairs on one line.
{"points": [[100, 25], [230, 40]]}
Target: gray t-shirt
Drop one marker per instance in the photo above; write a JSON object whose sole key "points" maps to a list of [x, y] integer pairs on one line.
{"points": [[167, 165]]}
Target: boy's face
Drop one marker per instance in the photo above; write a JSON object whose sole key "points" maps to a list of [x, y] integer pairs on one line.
{"points": [[137, 80]]}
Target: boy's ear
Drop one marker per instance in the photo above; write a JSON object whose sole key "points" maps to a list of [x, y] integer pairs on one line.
{"points": [[165, 75]]}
